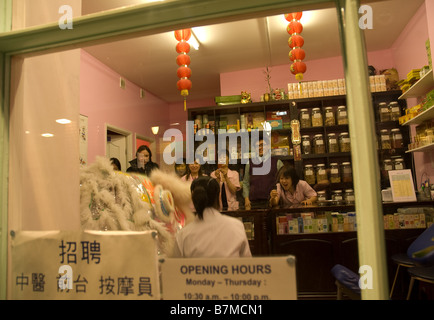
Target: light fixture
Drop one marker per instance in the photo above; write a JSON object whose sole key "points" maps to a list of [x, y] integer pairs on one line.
{"points": [[47, 135], [63, 121], [155, 129], [193, 41]]}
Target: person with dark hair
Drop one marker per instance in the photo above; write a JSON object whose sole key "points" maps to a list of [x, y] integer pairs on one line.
{"points": [[229, 181], [211, 234], [291, 191], [116, 164], [181, 168], [143, 162], [193, 171], [256, 188]]}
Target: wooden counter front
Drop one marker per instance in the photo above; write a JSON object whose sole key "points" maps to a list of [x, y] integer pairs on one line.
{"points": [[317, 253]]}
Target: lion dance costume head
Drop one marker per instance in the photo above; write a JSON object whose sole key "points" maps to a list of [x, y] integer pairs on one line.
{"points": [[113, 200]]}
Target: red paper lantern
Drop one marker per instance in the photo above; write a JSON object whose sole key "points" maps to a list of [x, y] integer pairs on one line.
{"points": [[184, 72], [183, 34], [184, 85], [295, 40], [297, 54], [183, 61], [293, 16], [183, 46], [294, 27]]}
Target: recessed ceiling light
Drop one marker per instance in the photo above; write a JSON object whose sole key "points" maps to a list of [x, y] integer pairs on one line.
{"points": [[47, 135], [63, 121]]}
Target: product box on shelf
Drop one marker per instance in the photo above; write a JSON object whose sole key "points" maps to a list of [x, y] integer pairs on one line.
{"points": [[428, 52], [227, 100]]}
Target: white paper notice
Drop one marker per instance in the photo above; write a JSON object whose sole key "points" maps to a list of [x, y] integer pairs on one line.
{"points": [[267, 278], [85, 265]]}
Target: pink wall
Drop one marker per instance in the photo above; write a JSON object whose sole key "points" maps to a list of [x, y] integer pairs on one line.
{"points": [[103, 101], [232, 83], [409, 53]]}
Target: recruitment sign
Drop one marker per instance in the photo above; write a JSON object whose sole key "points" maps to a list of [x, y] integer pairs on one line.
{"points": [[257, 278], [85, 265]]}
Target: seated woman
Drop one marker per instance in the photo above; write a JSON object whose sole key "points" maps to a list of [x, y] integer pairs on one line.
{"points": [[291, 191], [229, 181], [211, 234]]}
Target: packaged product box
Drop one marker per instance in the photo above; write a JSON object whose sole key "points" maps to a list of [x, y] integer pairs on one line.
{"points": [[428, 52], [227, 100], [386, 222]]}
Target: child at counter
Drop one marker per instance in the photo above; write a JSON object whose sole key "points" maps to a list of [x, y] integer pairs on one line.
{"points": [[291, 191]]}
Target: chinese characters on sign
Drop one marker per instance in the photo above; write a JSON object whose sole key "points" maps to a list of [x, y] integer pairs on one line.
{"points": [[74, 265]]}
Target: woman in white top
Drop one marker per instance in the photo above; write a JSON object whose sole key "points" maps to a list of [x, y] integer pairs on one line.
{"points": [[211, 234]]}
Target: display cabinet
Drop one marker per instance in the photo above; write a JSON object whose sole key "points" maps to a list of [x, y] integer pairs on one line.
{"points": [[239, 117]]}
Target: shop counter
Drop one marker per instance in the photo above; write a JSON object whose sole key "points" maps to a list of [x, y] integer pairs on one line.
{"points": [[317, 252]]}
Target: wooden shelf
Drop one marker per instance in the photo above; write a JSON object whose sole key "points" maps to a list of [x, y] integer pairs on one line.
{"points": [[421, 87], [421, 117], [422, 149]]}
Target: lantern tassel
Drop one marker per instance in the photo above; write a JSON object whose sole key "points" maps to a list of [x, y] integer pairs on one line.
{"points": [[185, 104]]}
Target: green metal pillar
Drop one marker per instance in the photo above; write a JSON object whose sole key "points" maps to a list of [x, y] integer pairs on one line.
{"points": [[5, 25], [369, 211]]}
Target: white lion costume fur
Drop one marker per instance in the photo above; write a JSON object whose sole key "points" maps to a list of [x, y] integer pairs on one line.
{"points": [[112, 200]]}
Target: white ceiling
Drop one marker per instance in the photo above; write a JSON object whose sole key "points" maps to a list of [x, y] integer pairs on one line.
{"points": [[150, 61]]}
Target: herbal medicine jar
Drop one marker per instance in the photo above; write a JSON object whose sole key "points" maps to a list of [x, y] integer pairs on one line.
{"points": [[395, 111], [347, 174], [384, 111], [329, 115], [349, 196], [309, 174], [318, 144], [332, 143], [305, 121], [322, 198], [387, 165], [317, 117], [399, 164], [321, 173], [396, 138], [306, 147], [342, 115], [385, 139], [344, 142], [335, 176], [337, 197]]}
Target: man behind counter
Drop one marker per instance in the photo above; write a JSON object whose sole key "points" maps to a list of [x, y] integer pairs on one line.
{"points": [[256, 188]]}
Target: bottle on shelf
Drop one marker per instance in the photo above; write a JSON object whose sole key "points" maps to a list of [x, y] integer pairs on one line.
{"points": [[395, 111], [332, 143], [347, 173], [330, 119], [306, 147], [317, 120], [342, 117], [335, 175], [384, 111], [305, 119], [318, 144], [344, 142], [309, 174]]}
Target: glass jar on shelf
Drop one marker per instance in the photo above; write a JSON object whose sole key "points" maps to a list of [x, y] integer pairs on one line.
{"points": [[306, 147], [337, 197], [384, 111], [321, 173], [387, 165], [322, 198], [318, 144], [395, 111], [347, 173], [329, 115], [332, 143], [399, 164], [305, 121], [335, 175], [344, 142], [349, 197], [385, 139], [396, 138], [317, 117], [342, 117], [309, 174]]}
